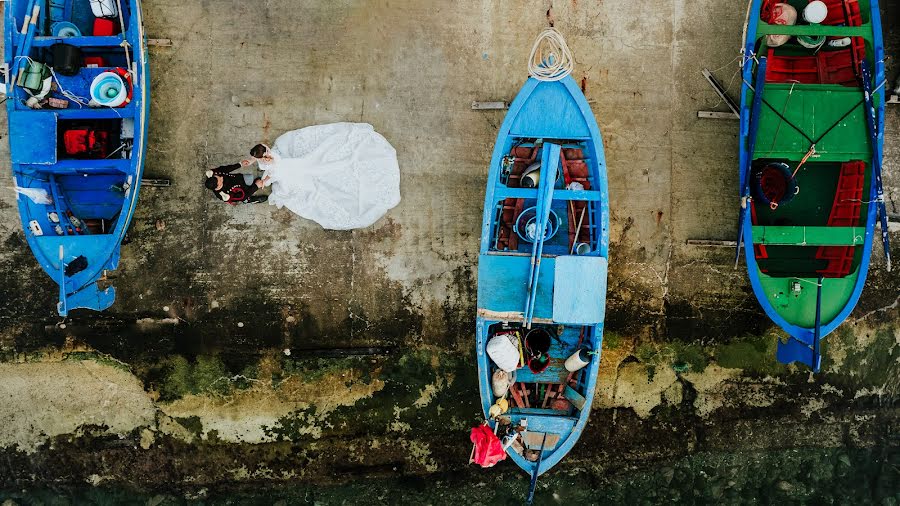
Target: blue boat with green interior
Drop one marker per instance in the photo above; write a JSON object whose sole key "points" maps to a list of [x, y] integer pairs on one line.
{"points": [[811, 145], [542, 272], [77, 86]]}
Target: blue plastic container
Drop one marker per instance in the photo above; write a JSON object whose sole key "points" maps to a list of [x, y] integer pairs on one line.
{"points": [[65, 29]]}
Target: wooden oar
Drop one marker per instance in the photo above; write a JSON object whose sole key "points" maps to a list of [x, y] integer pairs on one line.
{"points": [[876, 159], [550, 167], [25, 47]]}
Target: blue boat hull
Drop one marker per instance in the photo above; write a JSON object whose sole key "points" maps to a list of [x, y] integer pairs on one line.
{"points": [[565, 294], [76, 207]]}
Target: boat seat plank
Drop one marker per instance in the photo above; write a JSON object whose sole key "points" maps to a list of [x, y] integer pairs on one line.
{"points": [[24, 128], [503, 192], [92, 246], [555, 374], [551, 424], [82, 41], [102, 182], [538, 411], [808, 236], [503, 285], [84, 113], [63, 167], [579, 290], [764, 29]]}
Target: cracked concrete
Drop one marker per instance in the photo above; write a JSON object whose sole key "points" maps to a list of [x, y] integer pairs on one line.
{"points": [[687, 365]]}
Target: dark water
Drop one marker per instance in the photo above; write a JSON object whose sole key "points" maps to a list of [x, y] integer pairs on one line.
{"points": [[832, 476]]}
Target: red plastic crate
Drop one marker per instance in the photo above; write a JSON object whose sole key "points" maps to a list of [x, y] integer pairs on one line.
{"points": [[759, 250], [784, 69], [105, 27], [94, 60], [843, 12], [845, 212], [827, 67]]}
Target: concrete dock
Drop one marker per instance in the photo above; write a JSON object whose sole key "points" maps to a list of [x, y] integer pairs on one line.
{"points": [[380, 379]]}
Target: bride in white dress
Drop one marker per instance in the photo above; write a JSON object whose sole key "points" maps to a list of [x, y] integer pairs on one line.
{"points": [[342, 176]]}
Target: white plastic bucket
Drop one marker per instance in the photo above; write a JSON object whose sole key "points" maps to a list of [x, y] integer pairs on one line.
{"points": [[104, 8], [109, 90], [815, 12]]}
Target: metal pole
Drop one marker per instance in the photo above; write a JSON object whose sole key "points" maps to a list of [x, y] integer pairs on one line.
{"points": [[817, 334]]}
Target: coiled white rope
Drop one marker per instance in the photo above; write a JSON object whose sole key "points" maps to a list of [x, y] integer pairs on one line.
{"points": [[550, 58]]}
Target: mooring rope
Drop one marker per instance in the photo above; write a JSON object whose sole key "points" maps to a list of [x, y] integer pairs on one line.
{"points": [[125, 43], [550, 58]]}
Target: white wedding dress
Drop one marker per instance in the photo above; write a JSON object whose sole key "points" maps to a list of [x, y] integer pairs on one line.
{"points": [[342, 176]]}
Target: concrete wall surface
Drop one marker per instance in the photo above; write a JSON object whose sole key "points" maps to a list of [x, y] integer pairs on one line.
{"points": [[192, 356]]}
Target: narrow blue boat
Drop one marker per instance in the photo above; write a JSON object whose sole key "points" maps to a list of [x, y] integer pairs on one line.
{"points": [[78, 104], [812, 136], [546, 290]]}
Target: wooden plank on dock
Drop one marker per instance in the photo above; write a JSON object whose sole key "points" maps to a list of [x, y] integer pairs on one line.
{"points": [[489, 106]]}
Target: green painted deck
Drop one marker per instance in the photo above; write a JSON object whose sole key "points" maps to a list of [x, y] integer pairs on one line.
{"points": [[814, 109], [800, 308], [812, 205]]}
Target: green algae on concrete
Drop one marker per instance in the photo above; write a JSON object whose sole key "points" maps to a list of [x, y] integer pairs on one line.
{"points": [[754, 354], [176, 377], [872, 354], [681, 357], [416, 392]]}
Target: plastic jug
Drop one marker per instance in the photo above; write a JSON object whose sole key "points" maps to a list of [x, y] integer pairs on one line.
{"points": [[104, 8]]}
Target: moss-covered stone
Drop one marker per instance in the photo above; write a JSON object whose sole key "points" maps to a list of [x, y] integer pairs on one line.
{"points": [[176, 377], [754, 354]]}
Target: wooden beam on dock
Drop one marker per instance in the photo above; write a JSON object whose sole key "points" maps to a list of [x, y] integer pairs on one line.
{"points": [[717, 115], [489, 106], [711, 243]]}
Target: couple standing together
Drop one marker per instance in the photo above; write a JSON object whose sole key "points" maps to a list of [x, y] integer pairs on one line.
{"points": [[341, 175]]}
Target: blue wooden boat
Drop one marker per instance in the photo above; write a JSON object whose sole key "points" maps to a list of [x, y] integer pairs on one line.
{"points": [[812, 135], [547, 173], [77, 167]]}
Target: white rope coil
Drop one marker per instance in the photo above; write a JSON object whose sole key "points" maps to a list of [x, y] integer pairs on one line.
{"points": [[550, 58]]}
